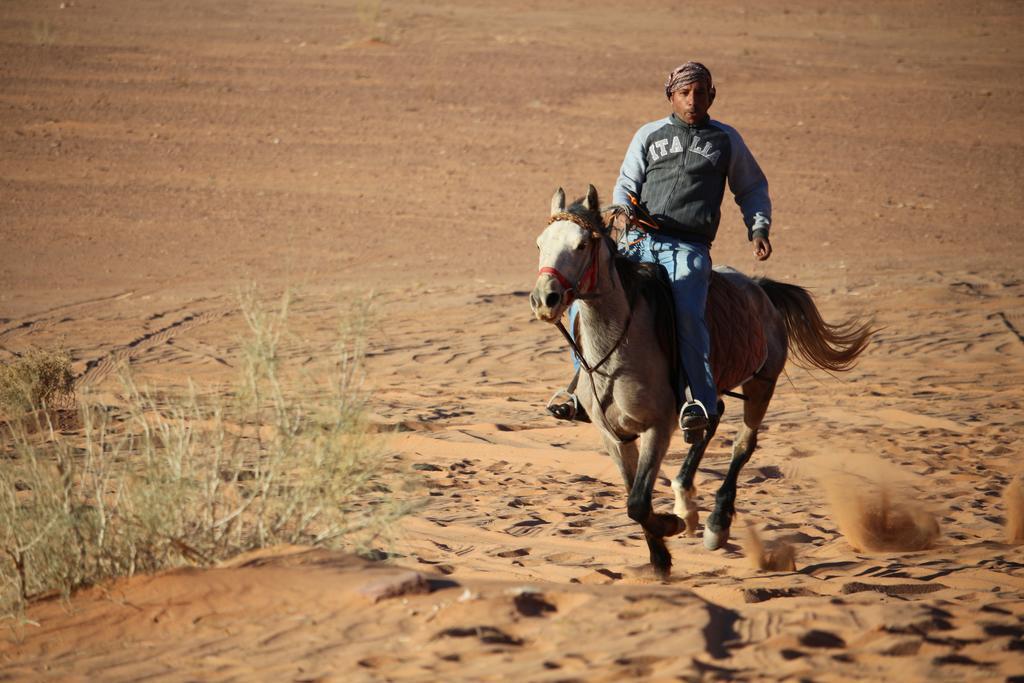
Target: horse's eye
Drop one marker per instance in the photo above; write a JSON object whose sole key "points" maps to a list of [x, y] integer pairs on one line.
{"points": [[580, 246]]}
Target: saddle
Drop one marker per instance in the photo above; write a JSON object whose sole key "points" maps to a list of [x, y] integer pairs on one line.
{"points": [[738, 344]]}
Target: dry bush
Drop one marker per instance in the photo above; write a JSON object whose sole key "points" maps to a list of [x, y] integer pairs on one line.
{"points": [[43, 33], [157, 483], [39, 379], [369, 15]]}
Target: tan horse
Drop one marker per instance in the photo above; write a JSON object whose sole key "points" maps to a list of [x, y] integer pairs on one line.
{"points": [[628, 389]]}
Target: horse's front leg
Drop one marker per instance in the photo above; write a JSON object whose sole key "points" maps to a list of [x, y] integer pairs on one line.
{"points": [[626, 456], [653, 445]]}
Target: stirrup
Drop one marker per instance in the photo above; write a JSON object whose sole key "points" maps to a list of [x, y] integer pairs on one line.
{"points": [[567, 410], [693, 423], [564, 410]]}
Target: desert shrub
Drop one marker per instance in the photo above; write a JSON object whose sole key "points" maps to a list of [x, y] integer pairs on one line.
{"points": [[40, 378], [199, 478], [43, 33]]}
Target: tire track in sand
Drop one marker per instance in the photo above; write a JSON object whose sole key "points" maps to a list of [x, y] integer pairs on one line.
{"points": [[56, 315], [97, 369]]}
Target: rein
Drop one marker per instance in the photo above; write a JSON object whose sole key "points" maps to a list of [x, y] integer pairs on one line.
{"points": [[587, 277], [578, 352]]}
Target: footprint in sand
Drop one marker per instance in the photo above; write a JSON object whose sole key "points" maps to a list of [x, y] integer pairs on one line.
{"points": [[526, 527]]}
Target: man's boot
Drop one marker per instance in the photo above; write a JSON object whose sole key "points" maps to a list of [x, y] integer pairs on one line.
{"points": [[693, 420], [570, 408]]}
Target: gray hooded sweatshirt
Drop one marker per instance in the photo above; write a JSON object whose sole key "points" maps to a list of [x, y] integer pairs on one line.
{"points": [[679, 171]]}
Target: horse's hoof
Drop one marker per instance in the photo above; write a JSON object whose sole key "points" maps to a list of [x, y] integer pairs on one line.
{"points": [[660, 558], [662, 569], [713, 540]]}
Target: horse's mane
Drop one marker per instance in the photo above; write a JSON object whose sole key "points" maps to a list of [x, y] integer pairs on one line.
{"points": [[645, 279], [649, 281]]}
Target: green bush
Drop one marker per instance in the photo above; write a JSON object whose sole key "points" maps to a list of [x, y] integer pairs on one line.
{"points": [[157, 482]]}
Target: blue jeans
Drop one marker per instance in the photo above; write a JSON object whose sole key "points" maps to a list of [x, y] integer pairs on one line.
{"points": [[689, 270]]}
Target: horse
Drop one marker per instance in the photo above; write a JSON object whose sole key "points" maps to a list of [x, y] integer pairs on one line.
{"points": [[628, 385]]}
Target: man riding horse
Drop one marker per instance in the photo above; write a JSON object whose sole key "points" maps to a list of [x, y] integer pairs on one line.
{"points": [[671, 186]]}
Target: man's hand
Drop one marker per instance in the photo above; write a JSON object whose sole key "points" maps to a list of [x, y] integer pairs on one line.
{"points": [[762, 247], [621, 217]]}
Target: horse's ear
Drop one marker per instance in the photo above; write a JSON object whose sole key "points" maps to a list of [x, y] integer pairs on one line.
{"points": [[590, 203], [558, 201]]}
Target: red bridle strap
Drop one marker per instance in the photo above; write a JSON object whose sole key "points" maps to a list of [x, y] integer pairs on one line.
{"points": [[562, 280], [588, 281], [588, 278]]}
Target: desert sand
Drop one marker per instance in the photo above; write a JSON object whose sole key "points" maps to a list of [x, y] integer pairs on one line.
{"points": [[157, 157]]}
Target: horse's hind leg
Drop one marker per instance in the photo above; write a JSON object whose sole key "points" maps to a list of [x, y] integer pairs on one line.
{"points": [[682, 485], [759, 393]]}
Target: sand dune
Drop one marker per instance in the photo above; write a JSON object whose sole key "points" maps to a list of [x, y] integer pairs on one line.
{"points": [[157, 158]]}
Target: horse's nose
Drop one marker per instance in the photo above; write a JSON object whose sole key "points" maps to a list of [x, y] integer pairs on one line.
{"points": [[534, 301], [552, 299]]}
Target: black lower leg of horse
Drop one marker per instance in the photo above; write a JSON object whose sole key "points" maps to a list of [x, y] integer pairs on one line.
{"points": [[660, 557], [627, 457], [686, 506], [688, 470], [639, 504], [641, 511], [719, 522], [716, 531]]}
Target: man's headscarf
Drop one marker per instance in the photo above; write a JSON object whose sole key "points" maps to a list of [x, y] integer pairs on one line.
{"points": [[687, 73]]}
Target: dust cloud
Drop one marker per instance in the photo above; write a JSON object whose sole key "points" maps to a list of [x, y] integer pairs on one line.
{"points": [[876, 510], [1013, 498], [777, 556]]}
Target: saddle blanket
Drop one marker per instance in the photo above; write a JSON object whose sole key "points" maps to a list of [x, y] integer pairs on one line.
{"points": [[738, 344]]}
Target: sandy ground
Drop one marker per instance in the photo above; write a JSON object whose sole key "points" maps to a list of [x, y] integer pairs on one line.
{"points": [[156, 157]]}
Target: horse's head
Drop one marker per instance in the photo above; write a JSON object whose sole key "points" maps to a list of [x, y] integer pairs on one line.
{"points": [[570, 255]]}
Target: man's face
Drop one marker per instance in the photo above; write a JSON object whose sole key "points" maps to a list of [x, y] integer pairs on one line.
{"points": [[691, 102]]}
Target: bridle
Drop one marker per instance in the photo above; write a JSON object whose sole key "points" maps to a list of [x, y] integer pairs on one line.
{"points": [[585, 286]]}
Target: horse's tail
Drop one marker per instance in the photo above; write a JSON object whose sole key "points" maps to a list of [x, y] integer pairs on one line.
{"points": [[815, 342]]}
